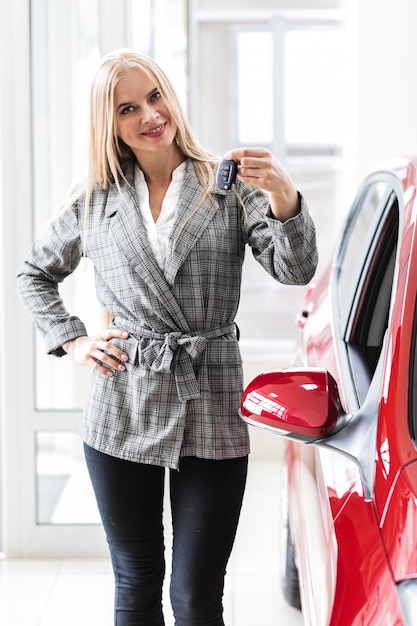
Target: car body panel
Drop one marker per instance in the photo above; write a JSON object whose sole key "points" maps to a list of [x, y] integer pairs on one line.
{"points": [[399, 525], [395, 479]]}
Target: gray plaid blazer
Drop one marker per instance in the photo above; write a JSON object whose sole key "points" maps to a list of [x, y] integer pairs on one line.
{"points": [[183, 382]]}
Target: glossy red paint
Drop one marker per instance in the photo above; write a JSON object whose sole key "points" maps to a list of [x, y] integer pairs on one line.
{"points": [[304, 402], [396, 457], [353, 504], [365, 591], [400, 524]]}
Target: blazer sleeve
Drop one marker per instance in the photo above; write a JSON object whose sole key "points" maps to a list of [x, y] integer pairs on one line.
{"points": [[52, 258], [286, 250]]}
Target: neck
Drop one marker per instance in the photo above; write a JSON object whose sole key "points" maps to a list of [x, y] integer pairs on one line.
{"points": [[158, 167]]}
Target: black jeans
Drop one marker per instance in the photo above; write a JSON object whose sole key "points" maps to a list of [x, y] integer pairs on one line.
{"points": [[206, 499]]}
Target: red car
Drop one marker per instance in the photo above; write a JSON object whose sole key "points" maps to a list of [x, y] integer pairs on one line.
{"points": [[347, 409]]}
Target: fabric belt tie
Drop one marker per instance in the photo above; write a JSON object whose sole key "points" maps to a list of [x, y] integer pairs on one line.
{"points": [[175, 351]]}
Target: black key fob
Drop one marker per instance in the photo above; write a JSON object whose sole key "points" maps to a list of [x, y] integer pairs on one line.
{"points": [[226, 174]]}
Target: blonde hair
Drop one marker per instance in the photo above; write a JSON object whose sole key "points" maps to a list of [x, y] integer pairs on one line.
{"points": [[107, 152]]}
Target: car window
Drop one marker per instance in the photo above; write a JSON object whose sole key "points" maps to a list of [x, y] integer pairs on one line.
{"points": [[366, 272], [355, 244]]}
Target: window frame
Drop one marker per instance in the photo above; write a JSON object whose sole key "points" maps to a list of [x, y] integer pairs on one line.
{"points": [[279, 24]]}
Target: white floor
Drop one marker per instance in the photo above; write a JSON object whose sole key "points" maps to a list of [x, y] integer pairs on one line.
{"points": [[65, 592]]}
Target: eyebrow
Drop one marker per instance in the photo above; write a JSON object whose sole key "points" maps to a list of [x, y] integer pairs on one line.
{"points": [[126, 104], [122, 105]]}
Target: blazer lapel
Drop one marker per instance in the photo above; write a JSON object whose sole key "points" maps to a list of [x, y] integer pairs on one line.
{"points": [[129, 234], [189, 224]]}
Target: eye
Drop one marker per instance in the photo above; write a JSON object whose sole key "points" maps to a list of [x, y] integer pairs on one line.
{"points": [[127, 109], [155, 96]]}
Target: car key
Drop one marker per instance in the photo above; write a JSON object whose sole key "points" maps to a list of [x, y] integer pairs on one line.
{"points": [[226, 174]]}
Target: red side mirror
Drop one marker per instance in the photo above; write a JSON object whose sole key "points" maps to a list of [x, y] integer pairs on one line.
{"points": [[298, 402]]}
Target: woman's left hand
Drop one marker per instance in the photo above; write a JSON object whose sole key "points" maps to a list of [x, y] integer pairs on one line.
{"points": [[259, 167]]}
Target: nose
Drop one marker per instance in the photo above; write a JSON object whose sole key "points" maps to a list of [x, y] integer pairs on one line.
{"points": [[149, 114]]}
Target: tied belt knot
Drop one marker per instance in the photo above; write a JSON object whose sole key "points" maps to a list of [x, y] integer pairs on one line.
{"points": [[174, 352]]}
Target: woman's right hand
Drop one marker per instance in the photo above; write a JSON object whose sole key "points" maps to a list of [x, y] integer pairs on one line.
{"points": [[98, 352]]}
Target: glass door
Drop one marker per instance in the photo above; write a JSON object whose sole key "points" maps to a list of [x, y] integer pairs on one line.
{"points": [[48, 504]]}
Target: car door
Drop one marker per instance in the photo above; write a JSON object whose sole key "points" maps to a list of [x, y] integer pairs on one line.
{"points": [[344, 324]]}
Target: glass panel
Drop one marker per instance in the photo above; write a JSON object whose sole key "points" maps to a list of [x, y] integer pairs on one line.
{"points": [[64, 55], [254, 87], [159, 28], [63, 490], [312, 103], [314, 85], [314, 79], [357, 247]]}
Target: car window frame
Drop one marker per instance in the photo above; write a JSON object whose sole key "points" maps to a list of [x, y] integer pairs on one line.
{"points": [[349, 362]]}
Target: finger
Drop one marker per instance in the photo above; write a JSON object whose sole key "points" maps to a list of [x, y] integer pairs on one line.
{"points": [[249, 176], [248, 163], [257, 177], [249, 172], [240, 153], [112, 350], [99, 368], [112, 333], [111, 360]]}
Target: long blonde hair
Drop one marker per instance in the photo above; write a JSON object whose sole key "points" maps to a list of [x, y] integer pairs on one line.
{"points": [[106, 151]]}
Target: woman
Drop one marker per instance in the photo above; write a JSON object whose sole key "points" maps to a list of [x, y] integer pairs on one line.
{"points": [[167, 246]]}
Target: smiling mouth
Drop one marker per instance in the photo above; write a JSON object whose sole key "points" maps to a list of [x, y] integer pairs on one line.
{"points": [[155, 131]]}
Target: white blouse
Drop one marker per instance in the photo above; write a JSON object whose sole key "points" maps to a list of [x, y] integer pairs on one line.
{"points": [[158, 231]]}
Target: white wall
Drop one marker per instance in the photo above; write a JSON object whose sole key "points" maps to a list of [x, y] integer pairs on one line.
{"points": [[387, 87]]}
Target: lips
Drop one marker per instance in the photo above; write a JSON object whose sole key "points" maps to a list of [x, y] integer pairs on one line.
{"points": [[157, 131]]}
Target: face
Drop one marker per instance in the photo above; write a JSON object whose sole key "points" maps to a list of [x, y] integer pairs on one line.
{"points": [[142, 119]]}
